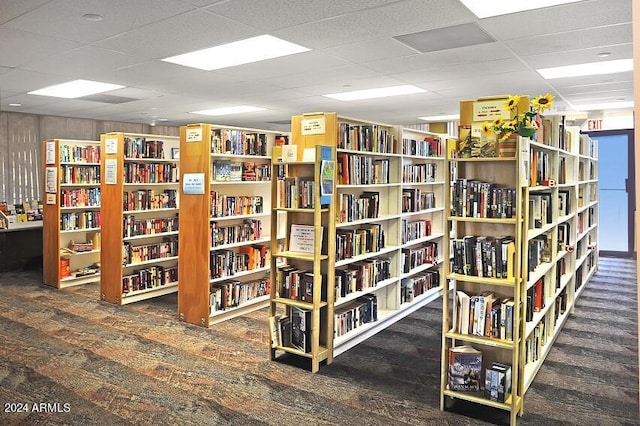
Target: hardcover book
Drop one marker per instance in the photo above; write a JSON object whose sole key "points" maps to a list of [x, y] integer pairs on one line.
{"points": [[301, 329], [465, 368]]}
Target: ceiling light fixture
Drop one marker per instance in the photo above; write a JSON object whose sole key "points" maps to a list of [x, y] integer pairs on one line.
{"points": [[604, 106], [604, 54], [228, 110], [593, 68], [93, 17], [75, 89], [15, 105], [237, 53], [439, 118], [381, 92], [486, 9]]}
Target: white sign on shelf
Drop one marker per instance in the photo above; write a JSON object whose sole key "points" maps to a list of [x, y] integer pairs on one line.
{"points": [[302, 238], [313, 126], [110, 171], [193, 183], [194, 134], [111, 145], [490, 110], [51, 179], [50, 155], [51, 198]]}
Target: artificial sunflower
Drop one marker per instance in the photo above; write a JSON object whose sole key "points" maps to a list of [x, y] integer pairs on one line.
{"points": [[512, 102], [540, 103], [487, 129]]}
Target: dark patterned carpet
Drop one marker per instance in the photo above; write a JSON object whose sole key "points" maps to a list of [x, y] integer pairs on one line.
{"points": [[82, 362]]}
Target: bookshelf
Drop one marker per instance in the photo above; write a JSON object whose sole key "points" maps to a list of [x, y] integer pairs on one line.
{"points": [[545, 279], [139, 254], [71, 212], [302, 266], [225, 221], [380, 169]]}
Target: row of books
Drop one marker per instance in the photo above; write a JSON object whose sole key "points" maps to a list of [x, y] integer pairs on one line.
{"points": [[365, 137], [484, 315], [540, 210], [539, 251], [415, 257], [419, 173], [140, 147], [231, 294], [233, 205], [535, 299], [541, 172], [564, 202], [354, 207], [150, 172], [133, 227], [361, 276], [295, 192], [248, 230], [80, 220], [79, 174], [413, 287], [465, 365], [238, 142], [292, 331], [355, 314], [134, 254], [361, 170], [237, 171], [150, 277], [79, 154], [149, 199], [430, 146], [355, 242], [80, 197], [415, 200], [416, 229], [535, 342], [294, 283], [484, 256], [226, 263], [472, 198]]}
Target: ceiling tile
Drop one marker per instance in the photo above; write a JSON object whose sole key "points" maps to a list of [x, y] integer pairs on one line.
{"points": [[188, 32], [394, 19], [471, 70], [151, 75], [63, 18], [85, 62], [379, 49], [20, 47], [333, 79], [13, 9], [25, 81], [582, 56], [572, 40], [559, 19]]}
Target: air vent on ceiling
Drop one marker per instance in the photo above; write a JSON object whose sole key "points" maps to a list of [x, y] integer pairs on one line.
{"points": [[107, 99], [446, 38], [281, 122]]}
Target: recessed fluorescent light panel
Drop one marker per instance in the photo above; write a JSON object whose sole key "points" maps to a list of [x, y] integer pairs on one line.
{"points": [[381, 92], [594, 68], [237, 53], [228, 110], [438, 118], [76, 89], [488, 8], [604, 106]]}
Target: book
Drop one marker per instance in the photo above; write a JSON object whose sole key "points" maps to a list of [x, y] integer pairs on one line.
{"points": [[498, 382], [274, 327], [465, 368], [301, 329]]}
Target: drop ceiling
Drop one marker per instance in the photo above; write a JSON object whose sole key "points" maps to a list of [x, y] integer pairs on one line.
{"points": [[355, 45]]}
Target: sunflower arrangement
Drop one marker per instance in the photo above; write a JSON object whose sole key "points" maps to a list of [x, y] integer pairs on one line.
{"points": [[523, 124]]}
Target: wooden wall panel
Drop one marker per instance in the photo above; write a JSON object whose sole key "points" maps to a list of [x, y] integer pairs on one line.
{"points": [[52, 127]]}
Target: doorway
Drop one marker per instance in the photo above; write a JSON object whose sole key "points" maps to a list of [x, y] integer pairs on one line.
{"points": [[616, 191]]}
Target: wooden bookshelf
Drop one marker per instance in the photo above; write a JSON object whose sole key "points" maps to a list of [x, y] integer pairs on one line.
{"points": [[225, 221], [71, 212], [140, 187], [302, 266]]}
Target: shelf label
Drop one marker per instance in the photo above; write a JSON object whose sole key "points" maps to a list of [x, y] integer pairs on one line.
{"points": [[489, 110], [51, 179], [110, 167], [50, 154], [193, 183], [194, 134], [111, 145], [51, 198], [313, 126]]}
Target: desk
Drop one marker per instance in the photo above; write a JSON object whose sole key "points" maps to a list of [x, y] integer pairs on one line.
{"points": [[21, 246]]}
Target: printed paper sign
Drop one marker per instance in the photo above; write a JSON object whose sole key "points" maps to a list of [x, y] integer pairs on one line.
{"points": [[193, 183], [110, 170], [313, 126], [50, 155], [111, 145], [194, 134]]}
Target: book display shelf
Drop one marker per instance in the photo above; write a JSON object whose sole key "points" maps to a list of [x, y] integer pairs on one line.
{"points": [[71, 212], [225, 221], [140, 228], [522, 244], [302, 267]]}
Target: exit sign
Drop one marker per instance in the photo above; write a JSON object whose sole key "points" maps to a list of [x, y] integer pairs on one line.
{"points": [[594, 124]]}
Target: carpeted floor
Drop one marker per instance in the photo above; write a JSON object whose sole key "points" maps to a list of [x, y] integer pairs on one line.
{"points": [[95, 363]]}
